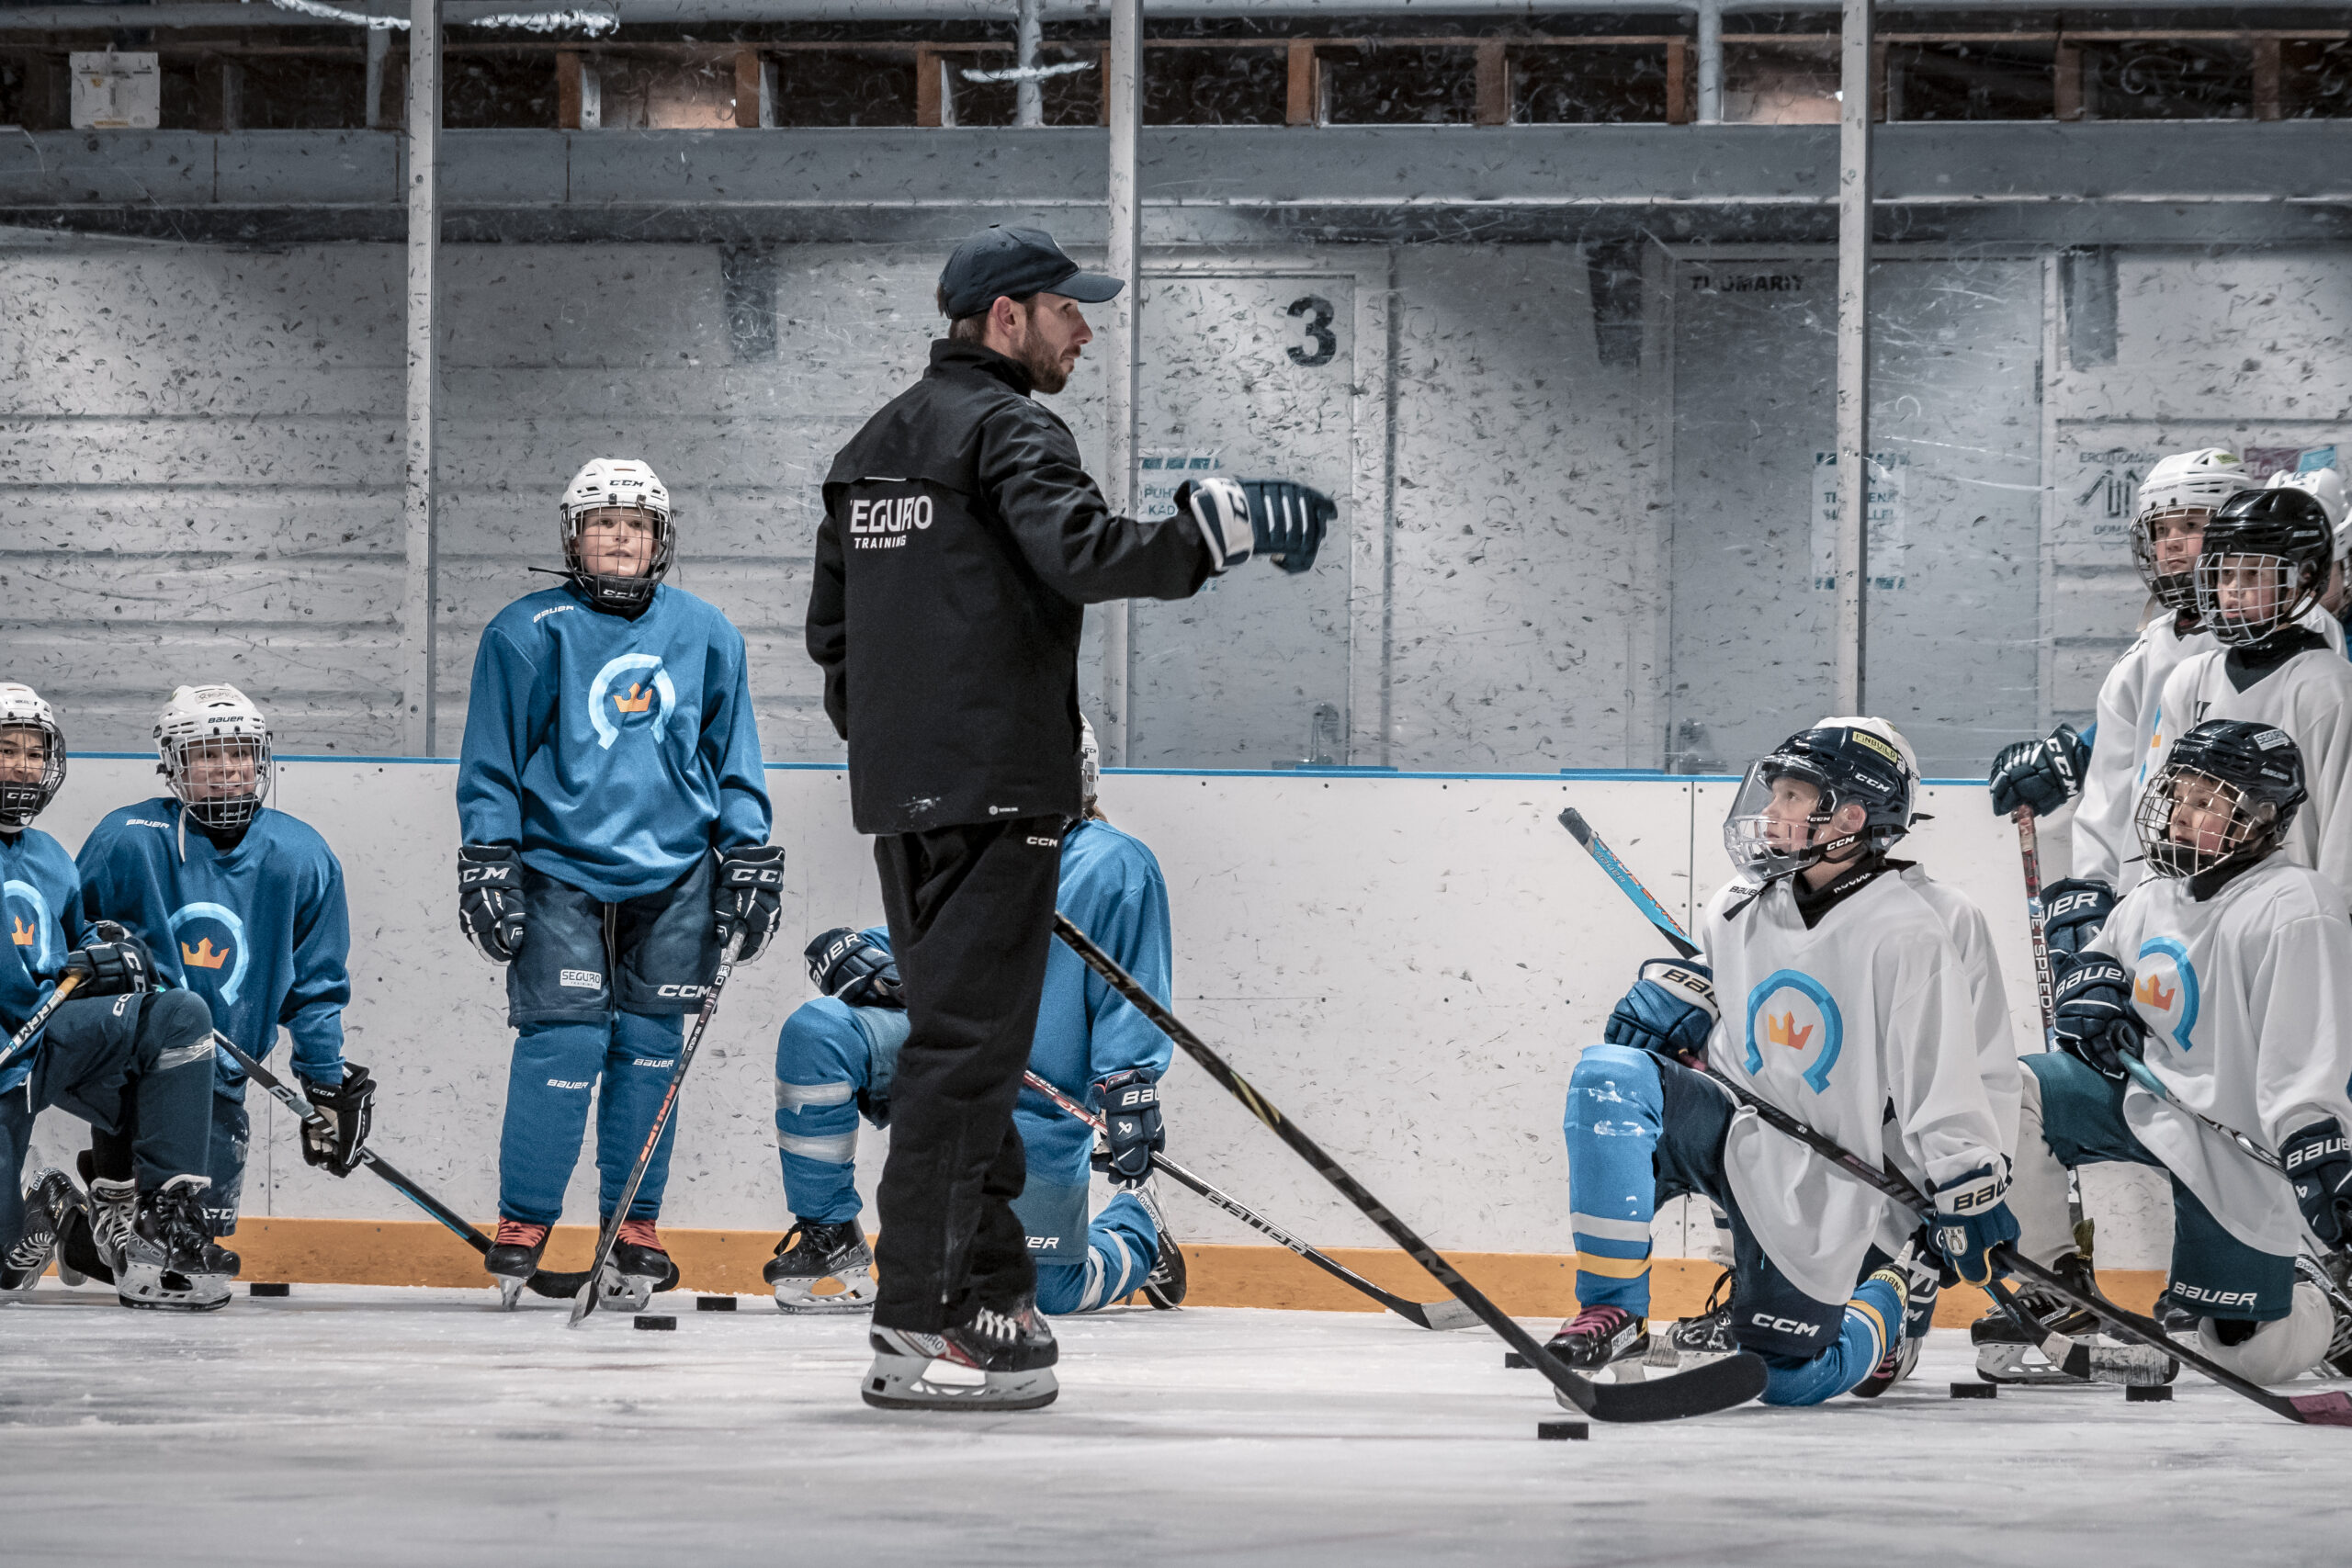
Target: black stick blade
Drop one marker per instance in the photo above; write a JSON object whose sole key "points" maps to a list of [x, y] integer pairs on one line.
{"points": [[557, 1284], [1702, 1390]]}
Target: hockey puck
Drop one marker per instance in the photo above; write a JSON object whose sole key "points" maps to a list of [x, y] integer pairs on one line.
{"points": [[2147, 1393], [269, 1288], [656, 1320], [1563, 1431], [714, 1304], [1514, 1361], [1976, 1391]]}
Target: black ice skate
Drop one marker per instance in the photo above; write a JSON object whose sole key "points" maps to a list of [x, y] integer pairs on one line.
{"points": [[638, 1269], [1000, 1360], [514, 1258], [1695, 1341], [815, 1254], [47, 1202], [89, 1239], [2005, 1354], [1604, 1340], [1164, 1286], [168, 1262]]}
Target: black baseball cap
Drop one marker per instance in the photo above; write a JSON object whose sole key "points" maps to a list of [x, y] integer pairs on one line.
{"points": [[1018, 262]]}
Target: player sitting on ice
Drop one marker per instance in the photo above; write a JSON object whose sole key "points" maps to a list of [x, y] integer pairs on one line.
{"points": [[242, 905], [837, 1054], [2228, 972], [117, 1054], [2265, 560], [616, 823], [1852, 1010]]}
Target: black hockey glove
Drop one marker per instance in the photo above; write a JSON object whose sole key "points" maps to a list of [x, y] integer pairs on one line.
{"points": [[1131, 1128], [2073, 913], [349, 1110], [2319, 1162], [849, 966], [748, 896], [2096, 1021], [1287, 521], [490, 900], [1669, 1013], [1972, 1218], [114, 963], [2042, 775]]}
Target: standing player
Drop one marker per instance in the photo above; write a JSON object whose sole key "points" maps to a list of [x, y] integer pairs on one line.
{"points": [[126, 1059], [242, 905], [962, 539], [2228, 970], [1853, 1013], [616, 823], [837, 1056]]}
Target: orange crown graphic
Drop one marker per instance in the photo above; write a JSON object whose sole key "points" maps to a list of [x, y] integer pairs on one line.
{"points": [[1783, 1031], [2152, 991], [26, 935], [204, 957], [639, 698]]}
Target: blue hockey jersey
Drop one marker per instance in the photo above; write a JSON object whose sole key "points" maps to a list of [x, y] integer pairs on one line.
{"points": [[615, 753], [260, 931], [38, 890]]}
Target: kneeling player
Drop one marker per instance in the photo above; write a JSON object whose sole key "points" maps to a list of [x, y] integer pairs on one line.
{"points": [[128, 1059], [1853, 1012], [2228, 972]]}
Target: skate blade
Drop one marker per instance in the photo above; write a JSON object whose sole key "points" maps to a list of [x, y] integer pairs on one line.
{"points": [[905, 1383], [510, 1290], [150, 1289], [2021, 1366], [854, 1292], [1625, 1369]]}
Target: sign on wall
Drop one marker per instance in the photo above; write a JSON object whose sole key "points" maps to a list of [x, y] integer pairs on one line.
{"points": [[1889, 480], [2098, 479]]}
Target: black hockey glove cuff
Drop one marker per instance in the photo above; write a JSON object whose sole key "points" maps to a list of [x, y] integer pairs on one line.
{"points": [[490, 900], [2074, 912], [748, 896], [347, 1110], [2319, 1162], [2096, 1022]]}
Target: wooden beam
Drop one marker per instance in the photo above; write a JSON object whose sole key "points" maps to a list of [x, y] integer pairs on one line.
{"points": [[927, 86], [2067, 83], [1878, 80], [568, 69], [2265, 78], [1494, 82], [1678, 82], [1306, 83]]}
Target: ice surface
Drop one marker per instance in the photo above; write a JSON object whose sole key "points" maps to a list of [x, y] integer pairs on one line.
{"points": [[363, 1424]]}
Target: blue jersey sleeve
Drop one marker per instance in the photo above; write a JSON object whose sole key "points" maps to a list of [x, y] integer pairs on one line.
{"points": [[313, 1011], [730, 748], [498, 741], [1130, 922]]}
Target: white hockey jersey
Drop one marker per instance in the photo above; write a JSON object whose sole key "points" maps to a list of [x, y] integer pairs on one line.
{"points": [[1996, 1046], [2248, 997], [1864, 1029], [2106, 849], [2310, 698]]}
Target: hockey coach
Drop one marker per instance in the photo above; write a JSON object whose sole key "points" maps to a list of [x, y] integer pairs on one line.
{"points": [[962, 538]]}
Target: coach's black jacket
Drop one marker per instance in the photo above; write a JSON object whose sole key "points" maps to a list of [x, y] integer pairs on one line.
{"points": [[960, 539]]}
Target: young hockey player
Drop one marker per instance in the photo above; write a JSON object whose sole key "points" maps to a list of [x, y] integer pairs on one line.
{"points": [[2228, 971], [1852, 1010], [242, 905], [837, 1055], [2265, 560], [616, 823], [125, 1058], [2327, 487]]}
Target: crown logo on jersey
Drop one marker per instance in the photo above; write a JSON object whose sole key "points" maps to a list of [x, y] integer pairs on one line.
{"points": [[638, 700], [26, 936], [203, 957], [1781, 1030], [2152, 991]]}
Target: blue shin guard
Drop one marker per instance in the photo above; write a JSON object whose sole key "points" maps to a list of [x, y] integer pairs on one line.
{"points": [[1875, 1312], [1616, 1111]]}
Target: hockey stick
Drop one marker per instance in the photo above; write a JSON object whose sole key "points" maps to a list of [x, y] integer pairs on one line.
{"points": [[585, 1302], [546, 1283], [2046, 984], [1718, 1386], [2333, 1409], [22, 1040], [1435, 1314]]}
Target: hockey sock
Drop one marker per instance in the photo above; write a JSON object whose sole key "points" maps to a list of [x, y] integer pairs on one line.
{"points": [[1615, 1106], [174, 1091], [637, 1075], [816, 1143], [548, 1084], [1875, 1312]]}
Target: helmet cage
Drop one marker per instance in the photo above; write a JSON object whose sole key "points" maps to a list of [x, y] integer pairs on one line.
{"points": [[213, 802], [2294, 587], [2253, 827], [2175, 591], [1747, 830], [21, 802], [610, 590]]}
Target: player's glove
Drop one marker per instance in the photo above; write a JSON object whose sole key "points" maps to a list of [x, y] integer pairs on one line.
{"points": [[2041, 775], [2096, 1021], [1669, 1013], [114, 964], [1131, 1128], [2319, 1162], [1973, 1218], [348, 1108], [748, 896], [2074, 912], [848, 965], [1275, 518], [490, 900]]}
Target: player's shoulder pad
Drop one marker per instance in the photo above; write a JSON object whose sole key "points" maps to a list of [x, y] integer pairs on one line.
{"points": [[2280, 892], [158, 817], [819, 1017], [290, 835], [523, 622], [1098, 846]]}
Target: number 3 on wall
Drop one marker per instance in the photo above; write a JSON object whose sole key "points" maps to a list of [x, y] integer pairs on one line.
{"points": [[1327, 343]]}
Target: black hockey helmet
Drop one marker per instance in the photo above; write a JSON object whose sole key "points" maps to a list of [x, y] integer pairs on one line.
{"points": [[854, 966], [1862, 762], [2275, 546], [2228, 791]]}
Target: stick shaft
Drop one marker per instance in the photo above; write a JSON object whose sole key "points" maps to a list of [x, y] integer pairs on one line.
{"points": [[23, 1039], [2046, 983]]}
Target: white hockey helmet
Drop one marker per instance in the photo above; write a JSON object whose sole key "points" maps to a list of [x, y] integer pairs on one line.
{"points": [[1090, 761], [2184, 482], [212, 746], [617, 481], [2327, 486], [21, 800]]}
